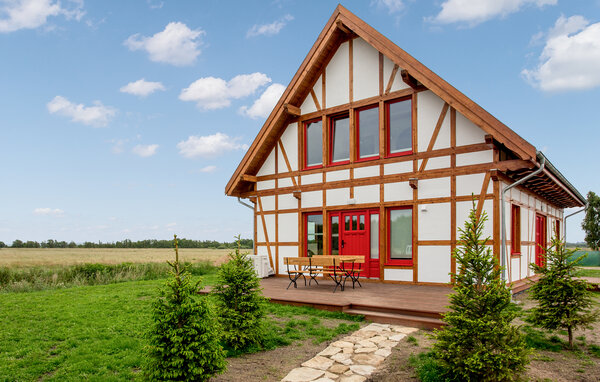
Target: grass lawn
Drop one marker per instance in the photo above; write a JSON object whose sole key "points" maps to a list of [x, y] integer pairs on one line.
{"points": [[96, 333], [584, 272]]}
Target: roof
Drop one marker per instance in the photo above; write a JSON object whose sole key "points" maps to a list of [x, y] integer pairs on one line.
{"points": [[340, 24]]}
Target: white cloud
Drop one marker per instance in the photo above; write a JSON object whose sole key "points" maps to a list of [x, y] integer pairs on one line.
{"points": [[142, 87], [214, 93], [31, 14], [269, 29], [118, 145], [208, 169], [48, 212], [473, 12], [392, 6], [262, 107], [209, 145], [144, 150], [97, 115], [176, 45], [570, 58]]}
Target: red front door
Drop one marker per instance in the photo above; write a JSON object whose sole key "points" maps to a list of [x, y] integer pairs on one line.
{"points": [[357, 229], [540, 240]]}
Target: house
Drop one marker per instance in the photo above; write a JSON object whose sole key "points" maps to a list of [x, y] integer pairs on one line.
{"points": [[370, 152]]}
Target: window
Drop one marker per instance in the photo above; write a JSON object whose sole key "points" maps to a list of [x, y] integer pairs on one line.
{"points": [[400, 236], [313, 144], [399, 127], [374, 235], [367, 127], [515, 247], [314, 234], [340, 140], [335, 234]]}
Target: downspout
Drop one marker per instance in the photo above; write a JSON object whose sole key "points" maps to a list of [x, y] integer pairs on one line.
{"points": [[253, 222], [503, 213], [565, 221]]}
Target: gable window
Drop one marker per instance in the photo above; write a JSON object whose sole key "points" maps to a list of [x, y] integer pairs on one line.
{"points": [[314, 234], [367, 126], [400, 236], [313, 144], [515, 228], [340, 139], [399, 127]]}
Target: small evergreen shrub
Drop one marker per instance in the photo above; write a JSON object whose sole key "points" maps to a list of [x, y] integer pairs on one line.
{"points": [[184, 338], [479, 343], [240, 302], [564, 301]]}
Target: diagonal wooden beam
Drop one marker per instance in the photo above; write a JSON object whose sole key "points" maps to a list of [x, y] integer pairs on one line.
{"points": [[315, 100], [484, 187], [391, 80], [262, 217], [408, 79], [436, 131], [287, 163]]}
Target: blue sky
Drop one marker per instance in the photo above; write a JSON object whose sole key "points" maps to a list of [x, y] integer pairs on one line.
{"points": [[125, 119]]}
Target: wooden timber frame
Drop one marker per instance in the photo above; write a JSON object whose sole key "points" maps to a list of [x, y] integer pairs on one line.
{"points": [[342, 27]]}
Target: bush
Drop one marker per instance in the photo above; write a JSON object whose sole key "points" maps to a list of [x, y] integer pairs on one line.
{"points": [[479, 343], [184, 339], [240, 302]]}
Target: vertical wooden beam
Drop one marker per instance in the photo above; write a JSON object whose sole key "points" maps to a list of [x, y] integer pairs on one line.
{"points": [[382, 228], [380, 73], [323, 90], [325, 140], [415, 230], [351, 71], [496, 219], [301, 249], [382, 138], [453, 192], [300, 147], [276, 196]]}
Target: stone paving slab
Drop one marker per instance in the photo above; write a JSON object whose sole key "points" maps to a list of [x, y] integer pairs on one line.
{"points": [[353, 358]]}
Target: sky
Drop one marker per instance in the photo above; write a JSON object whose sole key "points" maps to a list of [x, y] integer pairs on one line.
{"points": [[126, 119]]}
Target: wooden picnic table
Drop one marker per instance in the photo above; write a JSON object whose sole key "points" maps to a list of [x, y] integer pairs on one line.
{"points": [[338, 267]]}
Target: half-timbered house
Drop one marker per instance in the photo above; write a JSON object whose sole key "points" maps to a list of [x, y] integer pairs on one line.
{"points": [[369, 152]]}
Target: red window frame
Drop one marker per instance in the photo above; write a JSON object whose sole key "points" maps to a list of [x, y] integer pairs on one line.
{"points": [[305, 224], [515, 230], [557, 229], [330, 121], [369, 212], [357, 123], [388, 258], [388, 154], [305, 146]]}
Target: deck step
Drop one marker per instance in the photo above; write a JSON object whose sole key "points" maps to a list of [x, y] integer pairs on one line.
{"points": [[401, 311], [399, 319]]}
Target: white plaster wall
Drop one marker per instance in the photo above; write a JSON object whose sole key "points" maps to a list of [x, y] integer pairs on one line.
{"points": [[466, 185], [365, 69], [338, 196], [270, 223], [428, 113], [285, 182], [467, 132], [333, 176], [434, 223], [367, 194], [288, 227], [477, 157], [312, 199], [462, 214], [434, 263], [308, 106], [398, 274], [289, 139], [337, 78], [265, 185], [436, 163], [286, 251], [268, 203], [366, 172], [393, 192], [268, 168], [398, 84], [287, 201], [312, 178], [398, 167], [434, 188]]}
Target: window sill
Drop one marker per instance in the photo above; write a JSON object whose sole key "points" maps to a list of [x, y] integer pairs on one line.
{"points": [[313, 167], [515, 254], [403, 263], [340, 163], [367, 159], [400, 154]]}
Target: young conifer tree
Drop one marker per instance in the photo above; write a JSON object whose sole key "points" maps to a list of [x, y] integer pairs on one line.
{"points": [[184, 337], [564, 301], [479, 343], [240, 302]]}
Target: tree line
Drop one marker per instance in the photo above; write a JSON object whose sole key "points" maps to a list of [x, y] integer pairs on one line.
{"points": [[149, 243]]}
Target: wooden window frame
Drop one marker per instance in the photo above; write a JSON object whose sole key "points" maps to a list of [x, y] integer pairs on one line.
{"points": [[305, 238], [515, 230], [387, 104], [305, 145], [557, 228], [388, 255], [357, 126], [330, 121]]}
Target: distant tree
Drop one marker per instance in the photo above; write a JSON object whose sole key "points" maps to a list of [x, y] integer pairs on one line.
{"points": [[2, 245], [564, 301], [591, 222], [72, 244], [17, 244]]}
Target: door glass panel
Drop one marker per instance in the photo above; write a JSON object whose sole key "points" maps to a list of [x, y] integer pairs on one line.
{"points": [[314, 143], [374, 236], [362, 223], [401, 234], [368, 130], [347, 223], [340, 140], [335, 235], [400, 126], [353, 222], [314, 233]]}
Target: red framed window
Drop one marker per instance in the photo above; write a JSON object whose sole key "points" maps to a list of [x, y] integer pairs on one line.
{"points": [[339, 139], [515, 230], [313, 234], [367, 132], [399, 236], [313, 144], [398, 124]]}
